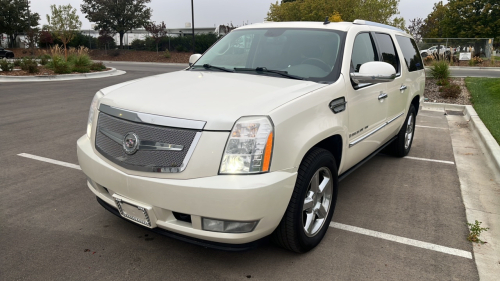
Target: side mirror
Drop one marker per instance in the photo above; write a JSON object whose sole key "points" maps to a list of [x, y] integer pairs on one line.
{"points": [[194, 58], [374, 72]]}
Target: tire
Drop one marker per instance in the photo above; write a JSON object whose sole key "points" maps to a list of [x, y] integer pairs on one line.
{"points": [[424, 54], [401, 146], [9, 56], [316, 215]]}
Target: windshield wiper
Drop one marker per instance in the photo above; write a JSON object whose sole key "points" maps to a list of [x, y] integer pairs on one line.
{"points": [[264, 69], [208, 66]]}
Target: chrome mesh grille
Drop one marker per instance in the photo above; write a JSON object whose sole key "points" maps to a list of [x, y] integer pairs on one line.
{"points": [[142, 160]]}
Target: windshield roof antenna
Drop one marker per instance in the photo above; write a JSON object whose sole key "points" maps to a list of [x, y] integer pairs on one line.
{"points": [[326, 21]]}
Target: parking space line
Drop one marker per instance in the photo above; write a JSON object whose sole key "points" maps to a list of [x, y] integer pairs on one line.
{"points": [[431, 127], [48, 160], [430, 160], [403, 240]]}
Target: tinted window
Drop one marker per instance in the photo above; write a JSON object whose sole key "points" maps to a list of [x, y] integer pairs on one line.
{"points": [[362, 51], [410, 52], [308, 53], [387, 50]]}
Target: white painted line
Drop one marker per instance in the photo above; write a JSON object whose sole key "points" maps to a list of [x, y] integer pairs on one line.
{"points": [[48, 160], [431, 127], [403, 240], [430, 160]]}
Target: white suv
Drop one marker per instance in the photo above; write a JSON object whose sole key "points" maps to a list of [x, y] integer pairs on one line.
{"points": [[252, 139]]}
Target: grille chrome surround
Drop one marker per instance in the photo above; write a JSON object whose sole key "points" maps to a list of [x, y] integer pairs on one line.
{"points": [[146, 160]]}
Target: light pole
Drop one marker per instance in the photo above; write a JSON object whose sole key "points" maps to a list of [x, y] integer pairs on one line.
{"points": [[192, 22]]}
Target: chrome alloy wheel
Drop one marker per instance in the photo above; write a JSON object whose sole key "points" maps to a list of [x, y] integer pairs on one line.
{"points": [[409, 131], [317, 202]]}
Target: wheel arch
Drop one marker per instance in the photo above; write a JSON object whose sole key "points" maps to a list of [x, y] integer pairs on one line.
{"points": [[416, 103], [334, 144]]}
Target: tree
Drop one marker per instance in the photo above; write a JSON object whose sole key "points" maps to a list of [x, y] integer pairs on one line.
{"points": [[14, 18], [118, 16], [432, 27], [415, 28], [158, 31], [64, 24], [46, 38], [106, 39], [472, 19], [382, 11], [32, 36]]}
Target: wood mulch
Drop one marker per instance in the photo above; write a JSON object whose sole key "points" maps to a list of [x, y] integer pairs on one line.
{"points": [[432, 94], [139, 56], [42, 70]]}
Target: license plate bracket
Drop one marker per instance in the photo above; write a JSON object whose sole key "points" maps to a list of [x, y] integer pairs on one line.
{"points": [[134, 212]]}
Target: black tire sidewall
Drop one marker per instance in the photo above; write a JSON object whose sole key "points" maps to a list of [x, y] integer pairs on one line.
{"points": [[324, 159], [402, 151]]}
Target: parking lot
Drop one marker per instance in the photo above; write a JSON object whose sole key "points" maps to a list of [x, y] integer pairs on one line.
{"points": [[396, 218]]}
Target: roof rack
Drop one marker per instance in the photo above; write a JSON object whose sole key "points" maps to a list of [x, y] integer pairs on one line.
{"points": [[366, 22]]}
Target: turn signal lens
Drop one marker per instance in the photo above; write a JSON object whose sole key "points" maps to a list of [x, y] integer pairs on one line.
{"points": [[92, 111], [249, 148]]}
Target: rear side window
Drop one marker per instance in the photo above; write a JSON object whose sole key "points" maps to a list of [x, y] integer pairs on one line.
{"points": [[387, 50], [410, 52], [362, 51]]}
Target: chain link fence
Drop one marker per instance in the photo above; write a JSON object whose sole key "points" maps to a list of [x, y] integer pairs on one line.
{"points": [[478, 47]]}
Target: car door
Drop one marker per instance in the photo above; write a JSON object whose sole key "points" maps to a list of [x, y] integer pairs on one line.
{"points": [[397, 93], [366, 104], [2, 52]]}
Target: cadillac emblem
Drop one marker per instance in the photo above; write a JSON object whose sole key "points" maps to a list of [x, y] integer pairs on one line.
{"points": [[131, 143]]}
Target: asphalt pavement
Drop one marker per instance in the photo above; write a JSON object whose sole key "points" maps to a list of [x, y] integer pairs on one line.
{"points": [[396, 218]]}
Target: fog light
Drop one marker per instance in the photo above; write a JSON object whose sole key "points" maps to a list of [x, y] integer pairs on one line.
{"points": [[228, 226]]}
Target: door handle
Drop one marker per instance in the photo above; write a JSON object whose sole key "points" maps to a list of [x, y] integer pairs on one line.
{"points": [[403, 87], [382, 96]]}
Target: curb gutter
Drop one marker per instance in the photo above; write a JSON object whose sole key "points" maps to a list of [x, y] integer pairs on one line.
{"points": [[476, 125], [62, 77]]}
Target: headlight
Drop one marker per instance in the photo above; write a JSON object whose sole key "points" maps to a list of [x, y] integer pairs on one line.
{"points": [[92, 111], [249, 147]]}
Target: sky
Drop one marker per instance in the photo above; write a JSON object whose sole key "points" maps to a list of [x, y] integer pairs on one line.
{"points": [[208, 13]]}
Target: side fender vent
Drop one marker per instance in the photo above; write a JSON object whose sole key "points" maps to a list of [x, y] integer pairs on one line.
{"points": [[338, 105]]}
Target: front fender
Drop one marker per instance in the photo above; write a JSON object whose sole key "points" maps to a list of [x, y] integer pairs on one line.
{"points": [[304, 122]]}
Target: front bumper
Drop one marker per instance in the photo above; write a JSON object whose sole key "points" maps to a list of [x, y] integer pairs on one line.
{"points": [[261, 197]]}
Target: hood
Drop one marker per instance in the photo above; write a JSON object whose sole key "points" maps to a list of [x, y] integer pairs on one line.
{"points": [[219, 98]]}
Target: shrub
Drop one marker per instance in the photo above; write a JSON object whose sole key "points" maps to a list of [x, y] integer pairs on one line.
{"points": [[17, 62], [82, 60], [138, 44], [43, 61], [443, 82], [180, 48], [6, 66], [97, 66], [81, 69], [450, 91], [59, 65], [29, 65], [166, 54], [475, 60], [440, 70], [115, 53]]}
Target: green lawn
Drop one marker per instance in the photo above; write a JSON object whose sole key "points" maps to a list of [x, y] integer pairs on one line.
{"points": [[485, 96]]}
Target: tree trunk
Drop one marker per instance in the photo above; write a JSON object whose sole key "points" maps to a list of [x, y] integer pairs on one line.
{"points": [[65, 51], [121, 40]]}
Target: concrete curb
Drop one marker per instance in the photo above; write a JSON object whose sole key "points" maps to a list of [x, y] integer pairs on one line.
{"points": [[486, 137], [476, 125], [62, 77]]}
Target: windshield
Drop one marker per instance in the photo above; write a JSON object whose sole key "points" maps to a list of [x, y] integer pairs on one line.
{"points": [[311, 54]]}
